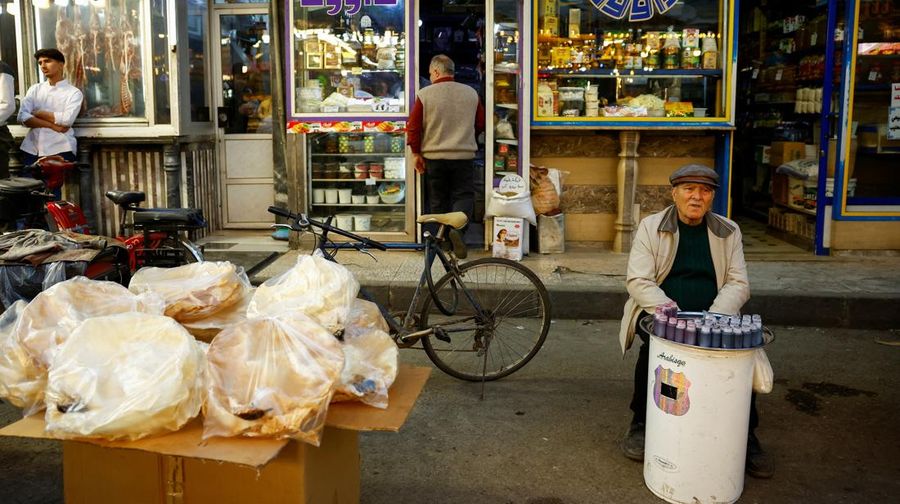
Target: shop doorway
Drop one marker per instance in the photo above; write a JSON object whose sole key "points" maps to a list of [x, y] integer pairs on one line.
{"points": [[456, 29], [243, 97]]}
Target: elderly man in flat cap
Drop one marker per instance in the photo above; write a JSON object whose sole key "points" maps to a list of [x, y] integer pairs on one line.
{"points": [[690, 256]]}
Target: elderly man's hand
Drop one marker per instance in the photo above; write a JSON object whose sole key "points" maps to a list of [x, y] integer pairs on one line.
{"points": [[420, 163]]}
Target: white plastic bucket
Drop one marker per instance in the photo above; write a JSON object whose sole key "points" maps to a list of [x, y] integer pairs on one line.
{"points": [[359, 199], [318, 195], [331, 195], [373, 199], [362, 222], [698, 410], [344, 196], [344, 222]]}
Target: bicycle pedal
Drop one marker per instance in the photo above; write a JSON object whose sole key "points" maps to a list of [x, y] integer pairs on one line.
{"points": [[441, 334]]}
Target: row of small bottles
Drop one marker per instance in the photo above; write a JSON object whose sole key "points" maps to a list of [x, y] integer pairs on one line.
{"points": [[708, 331], [690, 50]]}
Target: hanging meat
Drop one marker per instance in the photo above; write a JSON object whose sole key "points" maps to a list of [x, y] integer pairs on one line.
{"points": [[127, 99], [79, 37], [95, 43], [65, 40]]}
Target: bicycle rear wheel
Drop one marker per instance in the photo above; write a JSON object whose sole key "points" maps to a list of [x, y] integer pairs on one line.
{"points": [[517, 308]]}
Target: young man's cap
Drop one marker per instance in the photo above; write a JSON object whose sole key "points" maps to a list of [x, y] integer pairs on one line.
{"points": [[51, 53], [695, 173]]}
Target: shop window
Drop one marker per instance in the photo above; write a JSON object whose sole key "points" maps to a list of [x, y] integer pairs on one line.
{"points": [[9, 50], [623, 59], [196, 34], [160, 62], [103, 44], [351, 61]]}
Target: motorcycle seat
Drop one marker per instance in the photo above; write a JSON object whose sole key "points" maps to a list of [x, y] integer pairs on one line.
{"points": [[126, 197], [178, 217], [20, 185]]}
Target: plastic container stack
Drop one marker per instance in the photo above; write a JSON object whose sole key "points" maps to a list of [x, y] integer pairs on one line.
{"points": [[708, 330]]}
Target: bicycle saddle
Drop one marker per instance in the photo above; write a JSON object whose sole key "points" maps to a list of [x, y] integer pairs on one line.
{"points": [[456, 220], [182, 217], [20, 185], [126, 197]]}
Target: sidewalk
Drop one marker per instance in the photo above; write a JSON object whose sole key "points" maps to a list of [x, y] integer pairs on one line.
{"points": [[588, 283]]}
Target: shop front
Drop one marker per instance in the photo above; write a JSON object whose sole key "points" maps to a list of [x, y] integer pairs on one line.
{"points": [[625, 93], [145, 122]]}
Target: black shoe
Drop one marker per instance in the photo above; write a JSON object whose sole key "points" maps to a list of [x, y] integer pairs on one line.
{"points": [[759, 465], [633, 444]]}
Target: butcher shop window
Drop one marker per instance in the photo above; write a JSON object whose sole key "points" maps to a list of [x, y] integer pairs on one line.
{"points": [[103, 43], [9, 51]]}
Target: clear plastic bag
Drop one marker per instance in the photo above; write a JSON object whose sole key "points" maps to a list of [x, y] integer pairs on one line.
{"points": [[367, 314], [193, 291], [271, 376], [207, 328], [370, 357], [124, 376], [22, 383], [504, 130], [763, 375], [48, 321], [315, 287]]}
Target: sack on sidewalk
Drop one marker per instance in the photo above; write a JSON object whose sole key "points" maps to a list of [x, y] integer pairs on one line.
{"points": [[763, 376]]}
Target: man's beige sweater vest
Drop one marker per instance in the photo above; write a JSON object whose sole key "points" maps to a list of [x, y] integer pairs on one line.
{"points": [[448, 120]]}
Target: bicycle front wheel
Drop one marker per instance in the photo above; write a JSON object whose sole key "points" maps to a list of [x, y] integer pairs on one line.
{"points": [[516, 310]]}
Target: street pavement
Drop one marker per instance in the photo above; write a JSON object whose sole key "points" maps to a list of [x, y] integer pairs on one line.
{"points": [[549, 433], [588, 283]]}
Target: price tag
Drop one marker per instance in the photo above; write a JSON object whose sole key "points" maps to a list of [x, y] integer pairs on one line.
{"points": [[331, 109], [895, 95], [873, 76], [356, 70], [370, 181], [779, 74], [755, 73], [381, 107], [893, 132], [813, 39]]}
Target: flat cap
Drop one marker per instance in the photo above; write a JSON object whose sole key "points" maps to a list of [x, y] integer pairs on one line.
{"points": [[695, 173]]}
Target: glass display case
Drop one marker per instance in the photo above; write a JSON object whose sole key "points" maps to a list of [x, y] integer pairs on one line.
{"points": [[650, 63], [360, 178], [506, 134], [348, 60], [867, 182], [103, 45]]}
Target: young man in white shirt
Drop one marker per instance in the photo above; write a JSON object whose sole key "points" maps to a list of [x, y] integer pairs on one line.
{"points": [[7, 107], [50, 109]]}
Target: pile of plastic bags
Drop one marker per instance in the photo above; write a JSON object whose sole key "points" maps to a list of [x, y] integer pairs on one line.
{"points": [[115, 363]]}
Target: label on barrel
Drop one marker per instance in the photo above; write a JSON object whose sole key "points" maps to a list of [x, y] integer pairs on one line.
{"points": [[670, 391]]}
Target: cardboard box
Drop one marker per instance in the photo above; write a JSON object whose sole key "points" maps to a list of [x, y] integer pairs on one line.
{"points": [[784, 152], [509, 238], [180, 468], [551, 233]]}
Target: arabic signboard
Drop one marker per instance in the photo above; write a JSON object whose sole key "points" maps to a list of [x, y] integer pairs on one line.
{"points": [[636, 10], [349, 7]]}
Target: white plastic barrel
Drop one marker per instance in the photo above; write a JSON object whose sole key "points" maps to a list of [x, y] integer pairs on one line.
{"points": [[698, 410]]}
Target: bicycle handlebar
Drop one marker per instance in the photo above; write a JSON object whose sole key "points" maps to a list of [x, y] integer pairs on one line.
{"points": [[301, 221]]}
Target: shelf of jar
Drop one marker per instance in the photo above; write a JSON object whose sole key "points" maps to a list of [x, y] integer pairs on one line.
{"points": [[358, 154], [394, 205], [507, 141], [613, 72], [398, 71], [356, 180], [511, 106]]}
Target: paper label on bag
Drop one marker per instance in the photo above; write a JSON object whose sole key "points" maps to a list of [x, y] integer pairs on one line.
{"points": [[755, 73], [512, 184], [813, 39], [893, 126], [779, 74]]}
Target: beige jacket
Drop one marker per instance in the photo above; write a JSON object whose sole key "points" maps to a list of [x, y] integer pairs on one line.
{"points": [[652, 256]]}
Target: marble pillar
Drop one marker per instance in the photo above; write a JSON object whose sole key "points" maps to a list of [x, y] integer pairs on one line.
{"points": [[626, 183], [172, 167]]}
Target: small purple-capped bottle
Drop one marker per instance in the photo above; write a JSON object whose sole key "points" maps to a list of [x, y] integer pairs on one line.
{"points": [[716, 340], [659, 325], [705, 337], [679, 331], [690, 333], [670, 328], [728, 337], [747, 332]]}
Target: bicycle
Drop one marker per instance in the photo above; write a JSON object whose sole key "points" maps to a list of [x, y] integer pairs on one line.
{"points": [[481, 321]]}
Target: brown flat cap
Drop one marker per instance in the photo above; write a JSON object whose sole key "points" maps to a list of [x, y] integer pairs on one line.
{"points": [[695, 173]]}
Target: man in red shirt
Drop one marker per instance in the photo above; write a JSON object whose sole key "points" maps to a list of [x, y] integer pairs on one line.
{"points": [[443, 126]]}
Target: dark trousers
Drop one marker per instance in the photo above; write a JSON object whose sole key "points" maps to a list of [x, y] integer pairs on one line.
{"points": [[6, 143], [449, 185], [639, 398]]}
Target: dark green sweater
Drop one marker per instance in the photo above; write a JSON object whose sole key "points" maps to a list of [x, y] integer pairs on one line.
{"points": [[692, 281]]}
